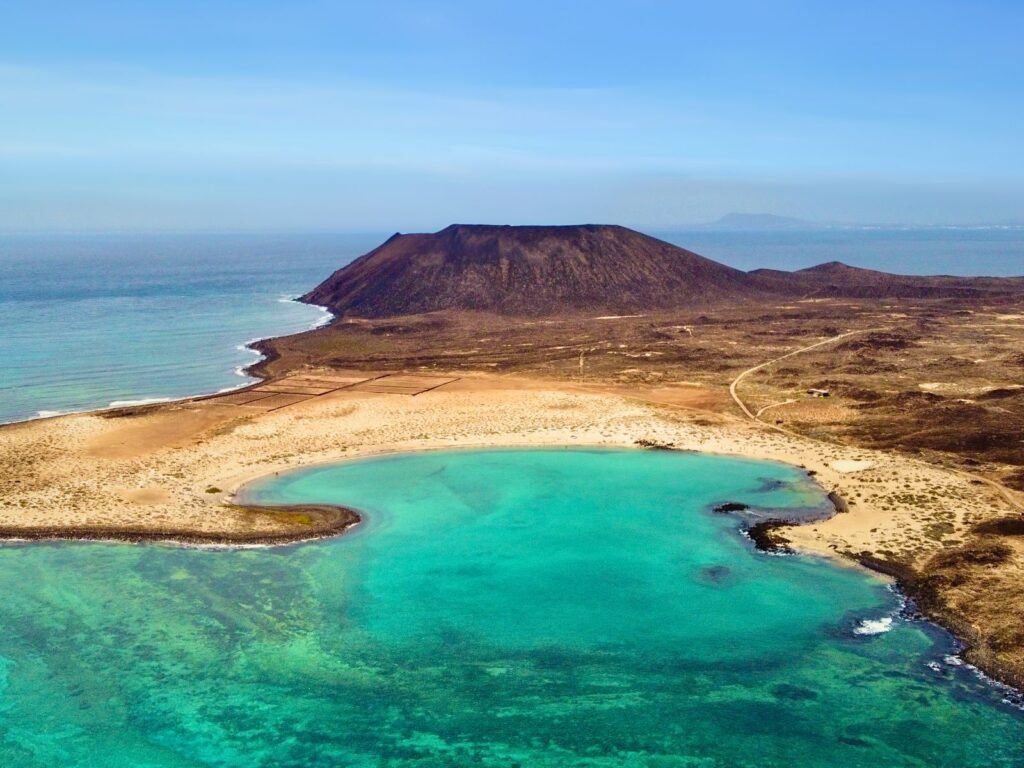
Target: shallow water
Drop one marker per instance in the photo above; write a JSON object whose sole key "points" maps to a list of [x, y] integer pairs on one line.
{"points": [[496, 608]]}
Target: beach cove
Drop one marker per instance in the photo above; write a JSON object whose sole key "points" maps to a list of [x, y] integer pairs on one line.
{"points": [[494, 607]]}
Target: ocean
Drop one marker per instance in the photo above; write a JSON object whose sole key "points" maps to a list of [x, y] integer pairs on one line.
{"points": [[87, 321], [948, 251], [93, 321], [495, 608]]}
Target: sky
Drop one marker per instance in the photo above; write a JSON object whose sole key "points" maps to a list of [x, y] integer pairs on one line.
{"points": [[341, 116]]}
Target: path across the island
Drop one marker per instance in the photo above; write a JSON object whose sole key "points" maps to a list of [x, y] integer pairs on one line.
{"points": [[738, 379], [1005, 493]]}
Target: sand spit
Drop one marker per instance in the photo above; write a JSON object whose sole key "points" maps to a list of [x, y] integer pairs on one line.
{"points": [[290, 525]]}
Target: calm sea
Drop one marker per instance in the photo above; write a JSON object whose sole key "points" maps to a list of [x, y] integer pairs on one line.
{"points": [[86, 321], [996, 252], [90, 321]]}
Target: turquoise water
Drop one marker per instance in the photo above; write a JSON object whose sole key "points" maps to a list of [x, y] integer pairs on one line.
{"points": [[90, 320], [534, 608]]}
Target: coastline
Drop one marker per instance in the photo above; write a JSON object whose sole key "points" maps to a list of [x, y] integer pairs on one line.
{"points": [[168, 472], [262, 346]]}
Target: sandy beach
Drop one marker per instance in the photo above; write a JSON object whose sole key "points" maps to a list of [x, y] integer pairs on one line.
{"points": [[177, 467]]}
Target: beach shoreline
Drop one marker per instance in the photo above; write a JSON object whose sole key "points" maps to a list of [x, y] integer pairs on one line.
{"points": [[172, 472], [727, 437], [256, 370]]}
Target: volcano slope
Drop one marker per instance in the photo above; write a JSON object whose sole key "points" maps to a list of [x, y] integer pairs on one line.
{"points": [[529, 271]]}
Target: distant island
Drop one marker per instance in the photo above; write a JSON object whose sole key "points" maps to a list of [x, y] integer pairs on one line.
{"points": [[769, 222], [762, 222]]}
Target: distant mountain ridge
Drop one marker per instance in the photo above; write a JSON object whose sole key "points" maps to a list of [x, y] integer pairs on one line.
{"points": [[761, 222], [553, 270], [770, 222]]}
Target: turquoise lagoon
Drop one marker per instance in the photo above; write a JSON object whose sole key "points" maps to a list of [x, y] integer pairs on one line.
{"points": [[533, 608]]}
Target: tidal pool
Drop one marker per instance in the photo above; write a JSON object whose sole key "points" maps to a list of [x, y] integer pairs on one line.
{"points": [[533, 608]]}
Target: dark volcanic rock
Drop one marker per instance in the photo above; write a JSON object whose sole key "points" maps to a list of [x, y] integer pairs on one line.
{"points": [[1003, 393], [1002, 526], [731, 506], [528, 271], [879, 340], [766, 537], [1015, 480]]}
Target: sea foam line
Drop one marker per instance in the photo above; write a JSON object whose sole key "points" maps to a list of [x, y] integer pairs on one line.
{"points": [[1008, 695], [247, 346], [142, 401], [240, 371], [320, 321]]}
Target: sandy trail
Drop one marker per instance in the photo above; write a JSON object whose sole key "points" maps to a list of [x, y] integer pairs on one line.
{"points": [[735, 382]]}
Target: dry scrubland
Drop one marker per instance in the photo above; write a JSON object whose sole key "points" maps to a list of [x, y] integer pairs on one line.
{"points": [[922, 434]]}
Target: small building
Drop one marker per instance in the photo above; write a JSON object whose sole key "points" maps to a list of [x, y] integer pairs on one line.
{"points": [[819, 393]]}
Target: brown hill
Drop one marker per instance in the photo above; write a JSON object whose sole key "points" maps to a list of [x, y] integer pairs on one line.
{"points": [[530, 270], [841, 280], [539, 271]]}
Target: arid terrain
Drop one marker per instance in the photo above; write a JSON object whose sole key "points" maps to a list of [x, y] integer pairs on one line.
{"points": [[915, 423], [927, 369]]}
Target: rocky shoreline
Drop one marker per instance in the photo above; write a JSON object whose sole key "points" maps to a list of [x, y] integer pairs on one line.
{"points": [[923, 592]]}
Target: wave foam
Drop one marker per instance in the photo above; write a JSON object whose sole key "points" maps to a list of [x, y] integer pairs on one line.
{"points": [[322, 321], [247, 346], [49, 414], [240, 371], [143, 401], [326, 315], [874, 626], [1007, 693]]}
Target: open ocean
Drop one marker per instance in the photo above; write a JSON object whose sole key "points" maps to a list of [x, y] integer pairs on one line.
{"points": [[91, 320], [996, 252]]}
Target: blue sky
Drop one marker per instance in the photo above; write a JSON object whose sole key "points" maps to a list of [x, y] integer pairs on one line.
{"points": [[403, 115]]}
